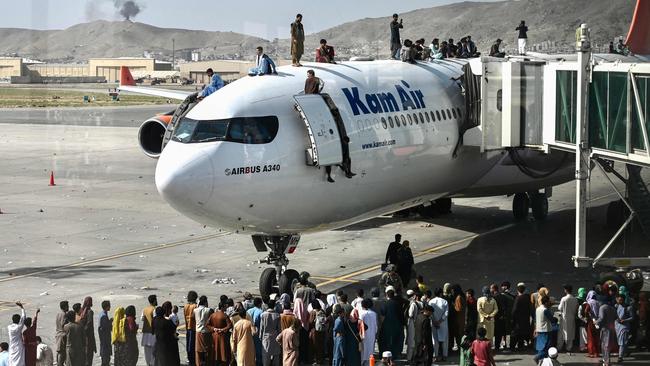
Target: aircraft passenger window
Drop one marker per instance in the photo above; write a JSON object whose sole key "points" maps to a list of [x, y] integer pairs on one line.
{"points": [[396, 121], [438, 115], [433, 116], [453, 111], [499, 99], [428, 118], [421, 118], [415, 118], [403, 120], [410, 119], [448, 114], [383, 122], [460, 113]]}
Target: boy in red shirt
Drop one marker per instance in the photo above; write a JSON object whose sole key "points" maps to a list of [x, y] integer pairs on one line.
{"points": [[481, 350]]}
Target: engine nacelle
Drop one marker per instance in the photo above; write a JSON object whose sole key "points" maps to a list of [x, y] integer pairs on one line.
{"points": [[151, 134]]}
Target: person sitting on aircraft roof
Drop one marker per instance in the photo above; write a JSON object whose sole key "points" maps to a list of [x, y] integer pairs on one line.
{"points": [[471, 48], [621, 48], [463, 51], [264, 65], [423, 53], [611, 48], [313, 85], [215, 84], [408, 52], [436, 49], [325, 53], [494, 50], [444, 49], [451, 48]]}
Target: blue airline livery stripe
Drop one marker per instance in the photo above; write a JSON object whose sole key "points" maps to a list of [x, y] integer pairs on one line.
{"points": [[385, 102]]}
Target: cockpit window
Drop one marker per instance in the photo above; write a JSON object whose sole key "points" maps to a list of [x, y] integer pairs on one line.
{"points": [[247, 130]]}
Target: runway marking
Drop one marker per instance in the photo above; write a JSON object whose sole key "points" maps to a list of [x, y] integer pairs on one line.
{"points": [[346, 278], [116, 256], [331, 278]]}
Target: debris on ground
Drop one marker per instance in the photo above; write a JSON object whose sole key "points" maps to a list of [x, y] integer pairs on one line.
{"points": [[201, 270], [224, 281], [44, 293]]}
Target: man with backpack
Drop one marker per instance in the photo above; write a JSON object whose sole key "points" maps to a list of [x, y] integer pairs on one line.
{"points": [[410, 316]]}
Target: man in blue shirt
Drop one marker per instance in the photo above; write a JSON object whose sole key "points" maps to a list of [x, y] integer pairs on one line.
{"points": [[4, 354], [264, 65], [215, 84]]}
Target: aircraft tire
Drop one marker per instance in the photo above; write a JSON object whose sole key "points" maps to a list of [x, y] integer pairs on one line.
{"points": [[520, 206], [443, 206], [428, 212], [287, 281], [268, 281], [539, 205]]}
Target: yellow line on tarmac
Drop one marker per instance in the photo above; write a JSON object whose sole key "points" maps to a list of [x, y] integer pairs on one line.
{"points": [[116, 256], [346, 278], [331, 278]]}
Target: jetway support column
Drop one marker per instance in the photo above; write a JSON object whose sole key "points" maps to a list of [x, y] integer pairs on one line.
{"points": [[583, 46]]}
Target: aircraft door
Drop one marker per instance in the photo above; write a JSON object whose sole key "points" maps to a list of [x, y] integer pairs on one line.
{"points": [[324, 135]]}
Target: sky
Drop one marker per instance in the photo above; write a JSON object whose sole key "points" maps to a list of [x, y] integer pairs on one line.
{"points": [[264, 18]]}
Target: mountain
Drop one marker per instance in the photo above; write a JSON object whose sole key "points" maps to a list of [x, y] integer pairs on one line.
{"points": [[552, 25], [119, 38]]}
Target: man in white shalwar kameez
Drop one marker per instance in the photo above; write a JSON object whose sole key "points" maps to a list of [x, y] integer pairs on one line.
{"points": [[440, 330], [369, 318], [16, 346], [569, 309], [414, 309]]}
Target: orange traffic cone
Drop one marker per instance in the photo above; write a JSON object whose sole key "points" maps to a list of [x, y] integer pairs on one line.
{"points": [[52, 179]]}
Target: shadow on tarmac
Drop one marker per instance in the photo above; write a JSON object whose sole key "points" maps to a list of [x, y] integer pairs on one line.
{"points": [[532, 252], [55, 272]]}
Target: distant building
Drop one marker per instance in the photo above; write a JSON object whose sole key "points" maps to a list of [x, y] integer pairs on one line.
{"points": [[229, 70], [196, 56], [110, 67], [12, 66]]}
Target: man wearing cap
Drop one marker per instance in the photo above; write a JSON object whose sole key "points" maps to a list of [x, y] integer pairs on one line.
{"points": [[387, 359], [551, 360], [568, 309], [391, 278], [414, 309], [494, 50]]}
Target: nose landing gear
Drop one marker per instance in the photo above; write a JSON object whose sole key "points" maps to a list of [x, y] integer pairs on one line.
{"points": [[278, 279]]}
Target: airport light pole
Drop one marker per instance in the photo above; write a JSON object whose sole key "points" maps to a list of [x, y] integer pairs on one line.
{"points": [[173, 52], [583, 46]]}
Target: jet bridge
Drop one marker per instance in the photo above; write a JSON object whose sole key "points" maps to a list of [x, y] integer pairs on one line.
{"points": [[595, 106]]}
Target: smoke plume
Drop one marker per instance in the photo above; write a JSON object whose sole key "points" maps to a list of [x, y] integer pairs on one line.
{"points": [[128, 9]]}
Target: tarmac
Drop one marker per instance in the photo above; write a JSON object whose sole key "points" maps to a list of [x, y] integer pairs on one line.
{"points": [[103, 231]]}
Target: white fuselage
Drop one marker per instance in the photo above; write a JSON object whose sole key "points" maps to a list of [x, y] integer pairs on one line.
{"points": [[269, 189]]}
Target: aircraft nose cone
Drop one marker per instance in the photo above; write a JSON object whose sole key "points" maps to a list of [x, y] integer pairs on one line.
{"points": [[185, 179]]}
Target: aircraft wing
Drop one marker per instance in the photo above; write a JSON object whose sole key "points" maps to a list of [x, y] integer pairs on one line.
{"points": [[165, 93], [127, 83]]}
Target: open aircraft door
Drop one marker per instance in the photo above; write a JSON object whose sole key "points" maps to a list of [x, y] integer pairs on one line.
{"points": [[323, 130]]}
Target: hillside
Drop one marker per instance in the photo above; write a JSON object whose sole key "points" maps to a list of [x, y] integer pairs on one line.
{"points": [[552, 26], [119, 38]]}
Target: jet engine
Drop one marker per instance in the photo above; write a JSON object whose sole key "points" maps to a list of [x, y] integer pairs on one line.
{"points": [[151, 134]]}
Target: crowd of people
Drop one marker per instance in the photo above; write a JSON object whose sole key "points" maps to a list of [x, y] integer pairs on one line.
{"points": [[310, 327]]}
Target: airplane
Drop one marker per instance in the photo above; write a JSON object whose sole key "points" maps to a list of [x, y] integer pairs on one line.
{"points": [[252, 157]]}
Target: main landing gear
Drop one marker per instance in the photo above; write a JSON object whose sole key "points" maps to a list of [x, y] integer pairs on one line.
{"points": [[523, 202], [278, 279]]}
